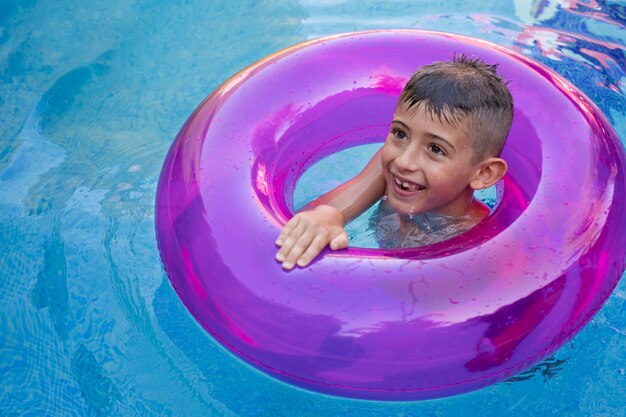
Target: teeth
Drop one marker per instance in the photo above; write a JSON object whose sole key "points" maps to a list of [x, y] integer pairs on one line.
{"points": [[407, 186]]}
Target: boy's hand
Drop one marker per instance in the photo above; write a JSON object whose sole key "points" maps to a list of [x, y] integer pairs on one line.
{"points": [[308, 233]]}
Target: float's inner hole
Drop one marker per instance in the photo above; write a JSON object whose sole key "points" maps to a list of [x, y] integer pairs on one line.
{"points": [[337, 168]]}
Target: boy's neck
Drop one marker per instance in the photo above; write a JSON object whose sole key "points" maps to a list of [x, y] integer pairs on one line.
{"points": [[466, 209], [461, 206]]}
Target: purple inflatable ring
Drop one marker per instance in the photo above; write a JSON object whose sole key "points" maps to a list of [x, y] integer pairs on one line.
{"points": [[399, 324]]}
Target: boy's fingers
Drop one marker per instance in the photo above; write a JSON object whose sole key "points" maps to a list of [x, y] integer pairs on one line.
{"points": [[316, 246], [340, 241], [296, 237], [298, 249], [291, 224], [289, 241]]}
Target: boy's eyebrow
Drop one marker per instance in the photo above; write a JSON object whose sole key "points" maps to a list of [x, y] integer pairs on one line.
{"points": [[430, 135], [404, 125]]}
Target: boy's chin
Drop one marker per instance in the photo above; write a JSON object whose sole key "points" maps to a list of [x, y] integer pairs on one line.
{"points": [[402, 208]]}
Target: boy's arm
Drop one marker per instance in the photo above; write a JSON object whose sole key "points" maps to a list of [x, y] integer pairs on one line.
{"points": [[322, 220]]}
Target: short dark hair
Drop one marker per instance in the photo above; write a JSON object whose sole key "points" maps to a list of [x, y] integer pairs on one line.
{"points": [[468, 93]]}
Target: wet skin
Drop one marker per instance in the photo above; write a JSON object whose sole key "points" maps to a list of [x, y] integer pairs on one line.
{"points": [[427, 165]]}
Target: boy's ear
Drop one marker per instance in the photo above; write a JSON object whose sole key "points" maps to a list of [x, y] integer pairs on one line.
{"points": [[489, 171]]}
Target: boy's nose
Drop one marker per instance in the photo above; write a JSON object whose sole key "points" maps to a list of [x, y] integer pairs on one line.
{"points": [[408, 160]]}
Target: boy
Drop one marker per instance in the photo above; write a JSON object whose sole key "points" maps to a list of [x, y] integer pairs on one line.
{"points": [[449, 127]]}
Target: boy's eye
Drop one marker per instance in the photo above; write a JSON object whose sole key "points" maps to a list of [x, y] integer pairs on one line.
{"points": [[436, 149], [398, 134]]}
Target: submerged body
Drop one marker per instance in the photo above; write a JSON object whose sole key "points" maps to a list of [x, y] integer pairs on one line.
{"points": [[392, 229]]}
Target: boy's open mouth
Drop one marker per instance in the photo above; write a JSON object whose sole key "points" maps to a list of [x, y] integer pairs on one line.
{"points": [[407, 186]]}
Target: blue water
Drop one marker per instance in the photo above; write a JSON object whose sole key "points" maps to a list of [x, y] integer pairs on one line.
{"points": [[91, 97]]}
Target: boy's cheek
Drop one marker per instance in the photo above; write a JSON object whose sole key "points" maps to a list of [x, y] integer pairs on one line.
{"points": [[387, 155]]}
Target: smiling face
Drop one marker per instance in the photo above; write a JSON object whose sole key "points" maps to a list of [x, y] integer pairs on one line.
{"points": [[427, 164]]}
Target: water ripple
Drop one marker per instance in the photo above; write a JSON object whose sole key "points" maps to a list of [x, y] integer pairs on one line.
{"points": [[92, 96]]}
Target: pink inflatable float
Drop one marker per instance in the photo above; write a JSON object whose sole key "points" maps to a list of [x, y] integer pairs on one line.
{"points": [[389, 324]]}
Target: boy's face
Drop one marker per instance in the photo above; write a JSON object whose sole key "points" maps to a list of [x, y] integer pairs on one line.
{"points": [[427, 164]]}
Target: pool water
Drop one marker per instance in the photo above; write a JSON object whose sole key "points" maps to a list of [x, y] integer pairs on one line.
{"points": [[93, 94]]}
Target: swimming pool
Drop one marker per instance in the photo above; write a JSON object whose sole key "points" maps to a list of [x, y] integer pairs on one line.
{"points": [[92, 97]]}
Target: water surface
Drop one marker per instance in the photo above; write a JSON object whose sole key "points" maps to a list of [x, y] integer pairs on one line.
{"points": [[91, 97]]}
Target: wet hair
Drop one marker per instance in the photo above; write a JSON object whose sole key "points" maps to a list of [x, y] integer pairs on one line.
{"points": [[468, 93]]}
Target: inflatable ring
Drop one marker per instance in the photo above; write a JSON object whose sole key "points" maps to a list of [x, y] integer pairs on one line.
{"points": [[389, 324]]}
